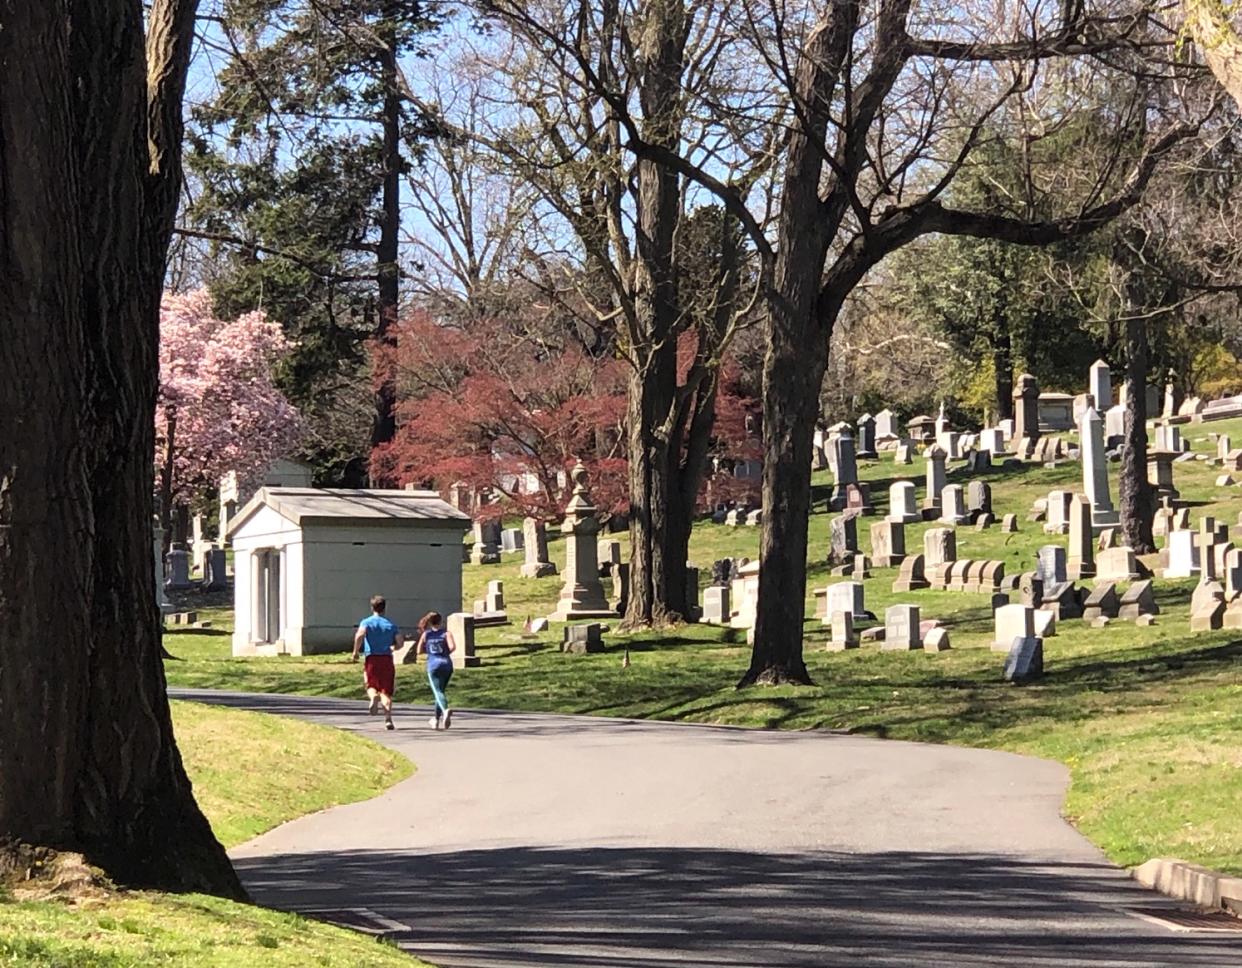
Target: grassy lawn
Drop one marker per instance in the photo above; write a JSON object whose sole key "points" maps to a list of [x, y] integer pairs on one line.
{"points": [[279, 776], [1149, 720]]}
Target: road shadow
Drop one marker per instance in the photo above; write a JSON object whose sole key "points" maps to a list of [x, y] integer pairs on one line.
{"points": [[645, 907]]}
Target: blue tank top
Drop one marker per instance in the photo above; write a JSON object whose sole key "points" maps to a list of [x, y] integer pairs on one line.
{"points": [[436, 644]]}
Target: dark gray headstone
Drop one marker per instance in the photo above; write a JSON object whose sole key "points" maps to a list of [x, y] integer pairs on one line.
{"points": [[1025, 662]]}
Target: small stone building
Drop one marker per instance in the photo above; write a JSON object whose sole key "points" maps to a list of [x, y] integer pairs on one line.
{"points": [[307, 561]]}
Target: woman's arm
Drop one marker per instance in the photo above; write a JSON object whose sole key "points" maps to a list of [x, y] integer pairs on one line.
{"points": [[422, 644], [452, 644]]}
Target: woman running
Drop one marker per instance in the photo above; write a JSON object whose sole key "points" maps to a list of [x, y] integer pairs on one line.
{"points": [[437, 644]]}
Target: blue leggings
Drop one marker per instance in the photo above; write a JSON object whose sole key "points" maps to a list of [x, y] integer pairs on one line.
{"points": [[439, 674]]}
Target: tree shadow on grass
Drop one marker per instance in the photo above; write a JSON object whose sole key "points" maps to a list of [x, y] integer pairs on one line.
{"points": [[651, 907]]}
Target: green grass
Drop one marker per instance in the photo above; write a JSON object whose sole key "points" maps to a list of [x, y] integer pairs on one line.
{"points": [[1149, 720], [143, 930], [279, 773], [271, 771]]}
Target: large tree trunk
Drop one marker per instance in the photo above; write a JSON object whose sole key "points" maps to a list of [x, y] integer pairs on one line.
{"points": [[87, 757], [1137, 507], [658, 535], [384, 428]]}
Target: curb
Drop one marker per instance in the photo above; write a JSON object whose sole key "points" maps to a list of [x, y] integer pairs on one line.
{"points": [[1190, 882]]}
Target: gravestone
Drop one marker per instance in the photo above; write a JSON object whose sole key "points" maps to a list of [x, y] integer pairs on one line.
{"points": [[1026, 414], [1183, 555], [1103, 602], [936, 640], [461, 627], [979, 498], [1223, 447], [1025, 661], [215, 576], [486, 548], [754, 518], [902, 504], [901, 628], [842, 538], [1231, 573], [1116, 564], [888, 543], [1045, 622], [866, 436], [1095, 470], [716, 605], [608, 553], [1030, 589], [935, 476], [843, 635], [1205, 541], [511, 540], [1114, 426], [582, 639], [1051, 568], [844, 467], [1058, 512], [535, 545], [911, 577], [178, 569], [1138, 600], [992, 440], [846, 596], [939, 546], [953, 505], [582, 595], [886, 425], [1207, 607], [1160, 473], [1080, 562], [1009, 524], [1100, 384], [1010, 622]]}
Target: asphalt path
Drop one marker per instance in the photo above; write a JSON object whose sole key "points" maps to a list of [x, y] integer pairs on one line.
{"points": [[574, 842]]}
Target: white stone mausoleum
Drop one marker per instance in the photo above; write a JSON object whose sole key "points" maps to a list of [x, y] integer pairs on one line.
{"points": [[307, 561]]}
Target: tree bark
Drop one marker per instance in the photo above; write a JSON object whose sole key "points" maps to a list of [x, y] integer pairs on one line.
{"points": [[87, 756], [387, 253], [1002, 362], [659, 532], [1136, 499]]}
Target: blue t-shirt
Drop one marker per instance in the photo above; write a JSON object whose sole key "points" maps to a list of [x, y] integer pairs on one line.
{"points": [[436, 644], [380, 635]]}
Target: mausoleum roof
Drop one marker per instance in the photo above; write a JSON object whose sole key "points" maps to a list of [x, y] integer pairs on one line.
{"points": [[306, 505]]}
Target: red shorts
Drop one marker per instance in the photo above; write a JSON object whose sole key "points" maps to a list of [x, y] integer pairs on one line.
{"points": [[379, 673]]}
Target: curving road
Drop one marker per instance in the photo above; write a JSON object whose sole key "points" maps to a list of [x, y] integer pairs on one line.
{"points": [[567, 842]]}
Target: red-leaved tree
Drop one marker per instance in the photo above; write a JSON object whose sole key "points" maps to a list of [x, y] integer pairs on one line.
{"points": [[218, 409], [504, 412]]}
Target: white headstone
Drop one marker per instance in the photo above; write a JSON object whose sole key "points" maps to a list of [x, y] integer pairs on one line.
{"points": [[1100, 385], [902, 503]]}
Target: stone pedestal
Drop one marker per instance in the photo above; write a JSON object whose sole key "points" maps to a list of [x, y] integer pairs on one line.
{"points": [[1026, 411], [461, 627], [582, 595]]}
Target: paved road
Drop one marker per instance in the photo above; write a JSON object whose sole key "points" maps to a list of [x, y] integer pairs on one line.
{"points": [[566, 842]]}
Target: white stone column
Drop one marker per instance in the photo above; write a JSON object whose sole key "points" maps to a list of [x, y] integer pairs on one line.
{"points": [[1095, 470]]}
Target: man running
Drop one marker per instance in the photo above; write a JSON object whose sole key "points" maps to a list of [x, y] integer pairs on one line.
{"points": [[377, 637]]}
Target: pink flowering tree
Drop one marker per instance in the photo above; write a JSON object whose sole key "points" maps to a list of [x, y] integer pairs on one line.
{"points": [[218, 408]]}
